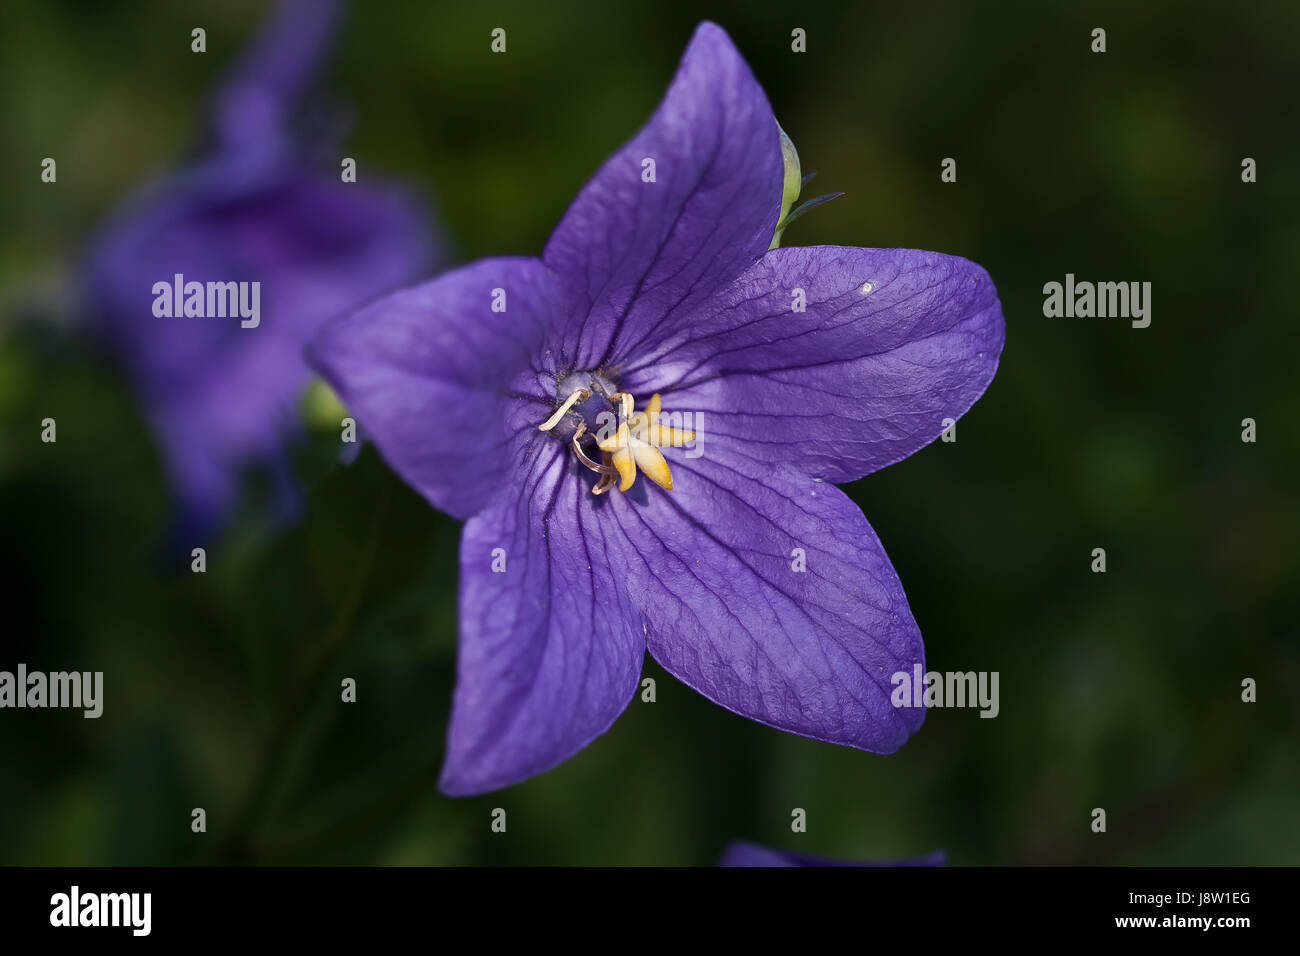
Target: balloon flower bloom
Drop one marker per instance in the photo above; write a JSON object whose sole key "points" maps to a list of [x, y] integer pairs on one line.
{"points": [[643, 431]]}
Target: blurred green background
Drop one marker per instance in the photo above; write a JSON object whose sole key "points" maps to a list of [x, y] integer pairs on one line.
{"points": [[1118, 690]]}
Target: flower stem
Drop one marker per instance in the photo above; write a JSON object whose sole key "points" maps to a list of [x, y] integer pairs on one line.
{"points": [[239, 845]]}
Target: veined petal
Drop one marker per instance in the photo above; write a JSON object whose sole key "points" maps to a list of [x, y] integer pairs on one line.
{"points": [[445, 383], [630, 253], [892, 342], [769, 593], [550, 647]]}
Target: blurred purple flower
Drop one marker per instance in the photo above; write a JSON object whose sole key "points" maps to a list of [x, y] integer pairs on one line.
{"points": [[256, 206], [744, 853], [754, 580]]}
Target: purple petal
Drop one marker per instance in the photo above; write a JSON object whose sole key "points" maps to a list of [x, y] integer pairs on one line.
{"points": [[744, 853], [254, 102], [860, 380], [222, 397], [550, 648], [712, 565], [444, 384], [631, 255]]}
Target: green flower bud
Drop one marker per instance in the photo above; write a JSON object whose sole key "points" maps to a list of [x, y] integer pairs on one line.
{"points": [[320, 407], [793, 183]]}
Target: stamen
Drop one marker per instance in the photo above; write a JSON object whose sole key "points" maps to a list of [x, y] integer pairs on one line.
{"points": [[607, 478], [580, 395], [603, 470], [634, 445], [626, 402], [606, 482]]}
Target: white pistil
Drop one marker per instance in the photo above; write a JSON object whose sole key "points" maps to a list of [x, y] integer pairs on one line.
{"points": [[580, 395]]}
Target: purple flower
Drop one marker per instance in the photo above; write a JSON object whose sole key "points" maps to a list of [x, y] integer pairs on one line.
{"points": [[502, 392], [744, 853], [256, 207]]}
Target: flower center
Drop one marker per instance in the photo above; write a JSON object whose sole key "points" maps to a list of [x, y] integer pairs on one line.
{"points": [[594, 418]]}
